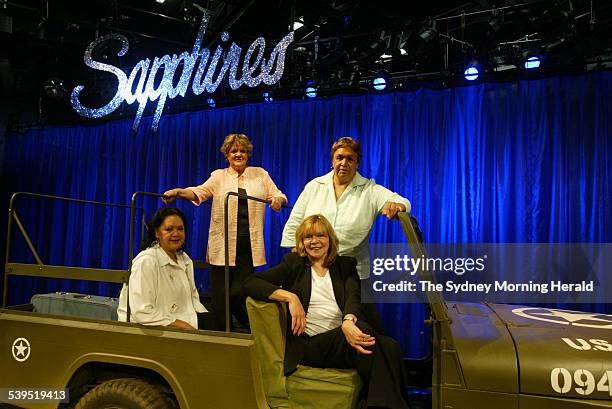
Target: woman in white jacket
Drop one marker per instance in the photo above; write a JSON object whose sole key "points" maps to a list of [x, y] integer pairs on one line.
{"points": [[162, 288]]}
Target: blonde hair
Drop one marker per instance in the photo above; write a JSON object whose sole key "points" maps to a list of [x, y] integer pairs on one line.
{"points": [[320, 223], [347, 142], [236, 138]]}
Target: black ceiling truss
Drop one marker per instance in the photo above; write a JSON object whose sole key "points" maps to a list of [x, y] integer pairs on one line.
{"points": [[342, 45]]}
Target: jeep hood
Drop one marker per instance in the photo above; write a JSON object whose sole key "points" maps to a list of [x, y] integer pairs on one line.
{"points": [[560, 353]]}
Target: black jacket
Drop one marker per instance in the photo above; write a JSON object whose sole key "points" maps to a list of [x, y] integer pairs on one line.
{"points": [[294, 275]]}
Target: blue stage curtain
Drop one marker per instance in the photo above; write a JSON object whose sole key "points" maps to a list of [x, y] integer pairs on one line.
{"points": [[526, 161]]}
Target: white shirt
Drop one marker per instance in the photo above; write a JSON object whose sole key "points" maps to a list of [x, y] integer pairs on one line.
{"points": [[351, 216], [323, 311], [161, 290]]}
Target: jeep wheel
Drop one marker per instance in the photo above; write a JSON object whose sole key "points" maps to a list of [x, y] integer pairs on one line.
{"points": [[126, 393]]}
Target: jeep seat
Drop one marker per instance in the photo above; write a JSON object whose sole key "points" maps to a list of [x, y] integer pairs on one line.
{"points": [[307, 387]]}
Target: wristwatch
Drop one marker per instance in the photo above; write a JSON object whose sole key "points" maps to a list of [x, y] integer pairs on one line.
{"points": [[350, 317]]}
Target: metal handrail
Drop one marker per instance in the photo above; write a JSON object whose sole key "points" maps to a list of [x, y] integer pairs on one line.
{"points": [[435, 299], [132, 211], [23, 269], [133, 207], [26, 269], [131, 247], [226, 246]]}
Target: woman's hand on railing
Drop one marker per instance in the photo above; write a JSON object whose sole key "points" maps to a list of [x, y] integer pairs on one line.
{"points": [[277, 203], [392, 208], [170, 196]]}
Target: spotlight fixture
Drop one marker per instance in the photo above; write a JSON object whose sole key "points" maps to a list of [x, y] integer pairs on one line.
{"points": [[471, 73], [380, 81], [311, 89], [267, 97], [298, 23], [428, 35], [533, 62], [211, 102], [55, 88]]}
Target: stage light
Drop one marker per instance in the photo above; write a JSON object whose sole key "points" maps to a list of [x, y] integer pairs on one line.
{"points": [[380, 81], [298, 23], [428, 35], [267, 97], [211, 102], [160, 1], [311, 89], [55, 88], [533, 62], [471, 73]]}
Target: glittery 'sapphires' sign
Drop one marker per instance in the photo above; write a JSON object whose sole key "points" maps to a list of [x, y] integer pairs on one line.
{"points": [[144, 73]]}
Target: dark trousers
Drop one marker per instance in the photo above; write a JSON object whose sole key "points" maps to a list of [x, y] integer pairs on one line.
{"points": [[237, 274], [382, 372], [207, 320]]}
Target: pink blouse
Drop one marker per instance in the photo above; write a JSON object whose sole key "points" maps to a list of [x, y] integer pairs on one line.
{"points": [[258, 183]]}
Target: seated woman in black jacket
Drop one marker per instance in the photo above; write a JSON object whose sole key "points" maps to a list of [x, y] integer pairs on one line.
{"points": [[322, 291]]}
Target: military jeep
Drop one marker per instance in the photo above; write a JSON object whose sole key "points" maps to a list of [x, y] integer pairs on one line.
{"points": [[483, 355]]}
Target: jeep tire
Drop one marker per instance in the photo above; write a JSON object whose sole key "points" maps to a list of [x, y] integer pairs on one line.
{"points": [[125, 393]]}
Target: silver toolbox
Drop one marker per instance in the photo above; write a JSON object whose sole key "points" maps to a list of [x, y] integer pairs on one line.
{"points": [[76, 305]]}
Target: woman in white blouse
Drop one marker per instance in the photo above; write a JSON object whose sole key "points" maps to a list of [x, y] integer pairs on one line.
{"points": [[161, 288], [349, 201]]}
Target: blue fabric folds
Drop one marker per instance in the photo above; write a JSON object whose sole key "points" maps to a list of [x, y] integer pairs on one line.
{"points": [[526, 161]]}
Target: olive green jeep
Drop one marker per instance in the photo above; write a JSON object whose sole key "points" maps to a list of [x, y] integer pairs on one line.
{"points": [[483, 355]]}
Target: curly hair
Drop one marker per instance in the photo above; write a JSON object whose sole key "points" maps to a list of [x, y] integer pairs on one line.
{"points": [[236, 138]]}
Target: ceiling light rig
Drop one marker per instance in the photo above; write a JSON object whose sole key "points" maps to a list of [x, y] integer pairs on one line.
{"points": [[311, 90], [267, 96], [339, 53], [472, 72], [380, 81], [533, 62]]}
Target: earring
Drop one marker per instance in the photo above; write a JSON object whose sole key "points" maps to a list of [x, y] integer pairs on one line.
{"points": [[155, 242]]}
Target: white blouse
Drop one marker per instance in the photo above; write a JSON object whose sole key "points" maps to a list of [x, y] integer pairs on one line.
{"points": [[323, 311], [161, 290], [351, 216]]}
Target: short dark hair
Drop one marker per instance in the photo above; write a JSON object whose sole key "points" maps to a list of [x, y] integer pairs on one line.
{"points": [[156, 220], [347, 142]]}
